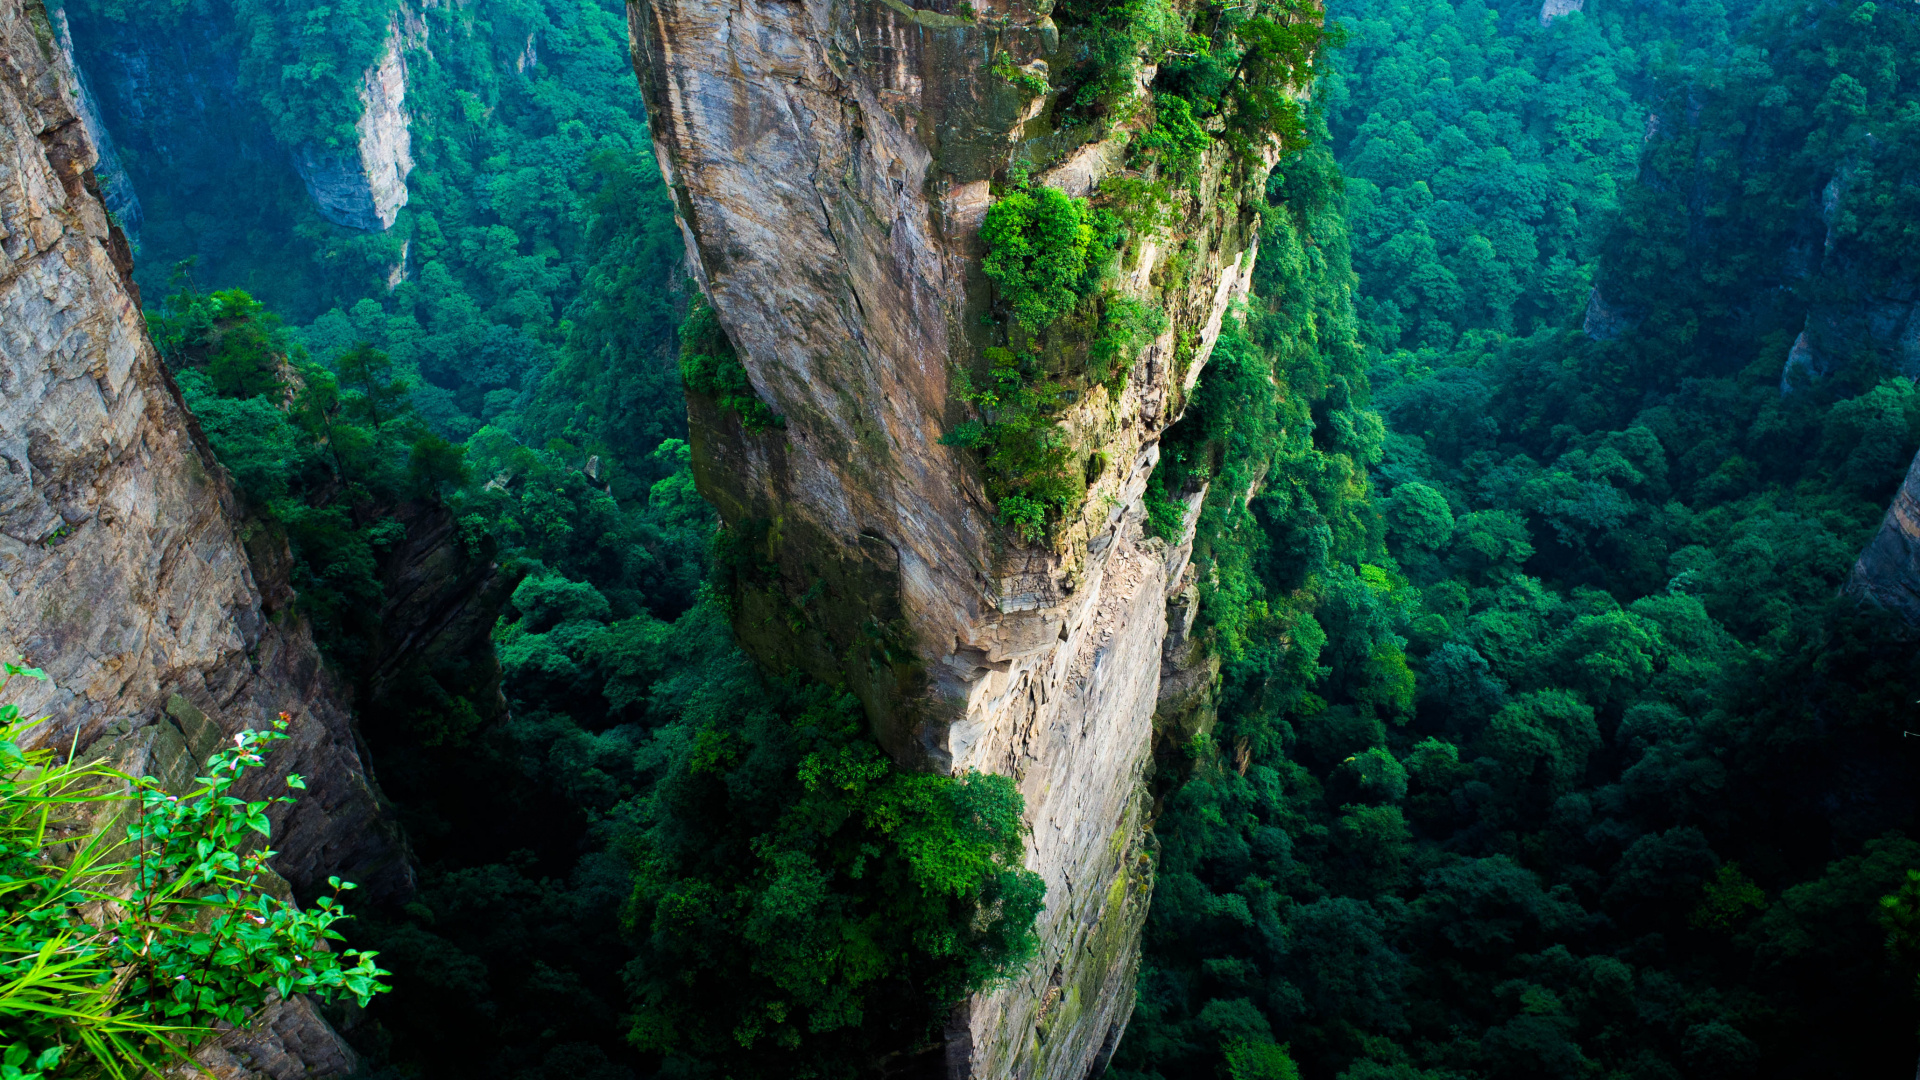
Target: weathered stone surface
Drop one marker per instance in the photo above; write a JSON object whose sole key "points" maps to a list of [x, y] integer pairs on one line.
{"points": [[1605, 321], [441, 602], [831, 162], [1888, 570], [365, 185], [284, 1040], [124, 567], [1555, 9], [1188, 669], [1802, 365]]}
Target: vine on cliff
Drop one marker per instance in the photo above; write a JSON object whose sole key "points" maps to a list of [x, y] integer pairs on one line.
{"points": [[1047, 255], [709, 366], [1225, 74]]}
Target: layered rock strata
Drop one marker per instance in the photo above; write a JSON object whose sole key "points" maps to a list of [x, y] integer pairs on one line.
{"points": [[364, 186], [831, 162], [129, 573]]}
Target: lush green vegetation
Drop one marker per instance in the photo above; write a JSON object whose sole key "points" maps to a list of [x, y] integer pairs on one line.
{"points": [[1224, 73], [811, 919], [654, 842], [1547, 746], [124, 942], [710, 367]]}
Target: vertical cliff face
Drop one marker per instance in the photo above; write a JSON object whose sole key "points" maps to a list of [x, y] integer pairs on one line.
{"points": [[363, 186], [181, 110], [128, 573], [116, 187], [1888, 570], [1555, 9], [831, 162]]}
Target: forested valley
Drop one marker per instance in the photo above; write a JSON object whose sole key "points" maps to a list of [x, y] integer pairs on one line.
{"points": [[1547, 741]]}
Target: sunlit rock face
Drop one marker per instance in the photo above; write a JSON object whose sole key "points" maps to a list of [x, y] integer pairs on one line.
{"points": [[128, 573], [831, 162], [363, 186]]}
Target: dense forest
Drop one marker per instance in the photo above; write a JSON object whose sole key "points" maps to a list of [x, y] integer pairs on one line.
{"points": [[1547, 743], [1553, 749]]}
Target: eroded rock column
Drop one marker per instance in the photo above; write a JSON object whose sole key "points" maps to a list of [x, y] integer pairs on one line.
{"points": [[831, 162]]}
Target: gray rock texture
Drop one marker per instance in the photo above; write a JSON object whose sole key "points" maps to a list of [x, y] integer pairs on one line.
{"points": [[126, 568], [1605, 321], [1888, 570], [1555, 9], [363, 186], [284, 1040], [831, 162]]}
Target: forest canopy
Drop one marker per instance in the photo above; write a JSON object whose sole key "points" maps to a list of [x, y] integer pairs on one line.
{"points": [[1579, 368]]}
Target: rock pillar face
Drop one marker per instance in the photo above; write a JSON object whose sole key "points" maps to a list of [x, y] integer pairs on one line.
{"points": [[831, 162], [1555, 9], [116, 187], [365, 186], [126, 571]]}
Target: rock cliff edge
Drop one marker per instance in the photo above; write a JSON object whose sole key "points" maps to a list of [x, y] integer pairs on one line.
{"points": [[127, 571]]}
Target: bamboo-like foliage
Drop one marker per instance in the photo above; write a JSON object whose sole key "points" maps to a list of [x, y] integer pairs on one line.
{"points": [[122, 948]]}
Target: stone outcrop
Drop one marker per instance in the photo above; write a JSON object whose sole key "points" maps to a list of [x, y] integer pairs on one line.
{"points": [[285, 1040], [1863, 311], [1556, 9], [1605, 321], [1802, 365], [1888, 570], [129, 573], [442, 595], [1188, 668], [363, 186], [831, 162]]}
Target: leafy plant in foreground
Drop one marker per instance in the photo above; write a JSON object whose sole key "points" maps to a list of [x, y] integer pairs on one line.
{"points": [[126, 951]]}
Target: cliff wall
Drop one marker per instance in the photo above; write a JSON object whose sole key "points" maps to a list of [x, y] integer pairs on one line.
{"points": [[1556, 9], [363, 186], [1888, 570], [129, 574], [831, 162], [116, 187], [173, 88]]}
